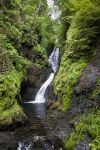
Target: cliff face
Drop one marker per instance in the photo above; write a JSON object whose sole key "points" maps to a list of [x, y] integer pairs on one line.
{"points": [[79, 69], [89, 80], [80, 47], [23, 43]]}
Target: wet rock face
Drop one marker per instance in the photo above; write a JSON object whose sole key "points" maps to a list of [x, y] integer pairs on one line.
{"points": [[81, 145], [55, 142], [29, 53], [90, 74], [7, 141], [35, 78], [50, 96], [88, 79], [42, 143]]}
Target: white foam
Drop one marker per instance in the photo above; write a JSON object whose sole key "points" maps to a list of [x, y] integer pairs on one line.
{"points": [[53, 60]]}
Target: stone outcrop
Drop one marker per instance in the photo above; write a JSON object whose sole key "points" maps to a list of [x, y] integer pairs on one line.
{"points": [[89, 75]]}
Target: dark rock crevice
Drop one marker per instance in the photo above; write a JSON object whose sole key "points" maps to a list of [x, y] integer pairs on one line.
{"points": [[35, 78]]}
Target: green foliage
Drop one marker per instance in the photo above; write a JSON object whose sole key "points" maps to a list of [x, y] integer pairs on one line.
{"points": [[68, 74], [80, 26], [79, 31], [12, 115], [27, 24], [9, 89], [78, 35], [41, 59], [89, 125], [96, 91], [45, 24], [70, 144], [65, 21], [23, 26], [13, 58], [84, 28]]}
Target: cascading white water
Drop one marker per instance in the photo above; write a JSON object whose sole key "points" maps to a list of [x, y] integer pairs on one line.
{"points": [[40, 95], [53, 60]]}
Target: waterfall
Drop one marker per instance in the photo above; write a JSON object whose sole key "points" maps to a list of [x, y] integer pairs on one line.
{"points": [[40, 95], [53, 60]]}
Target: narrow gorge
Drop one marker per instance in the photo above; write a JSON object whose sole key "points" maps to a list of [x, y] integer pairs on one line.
{"points": [[50, 75]]}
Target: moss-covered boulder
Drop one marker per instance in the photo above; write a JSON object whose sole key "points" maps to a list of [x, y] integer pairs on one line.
{"points": [[9, 89]]}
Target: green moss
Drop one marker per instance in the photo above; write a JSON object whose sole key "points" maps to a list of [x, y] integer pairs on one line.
{"points": [[9, 89], [42, 56], [11, 115], [23, 42], [96, 91], [25, 23], [67, 76], [84, 28], [80, 29], [70, 144], [89, 125]]}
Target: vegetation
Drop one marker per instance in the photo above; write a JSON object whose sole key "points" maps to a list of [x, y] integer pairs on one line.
{"points": [[89, 126], [96, 91], [78, 35], [82, 30], [68, 74], [9, 89], [26, 37], [23, 41]]}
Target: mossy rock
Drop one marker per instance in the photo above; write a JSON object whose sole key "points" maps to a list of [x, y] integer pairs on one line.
{"points": [[9, 89], [12, 115], [70, 145], [96, 91], [68, 74], [89, 126]]}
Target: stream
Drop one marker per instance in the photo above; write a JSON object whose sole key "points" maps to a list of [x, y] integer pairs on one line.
{"points": [[36, 112], [39, 138], [35, 134]]}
